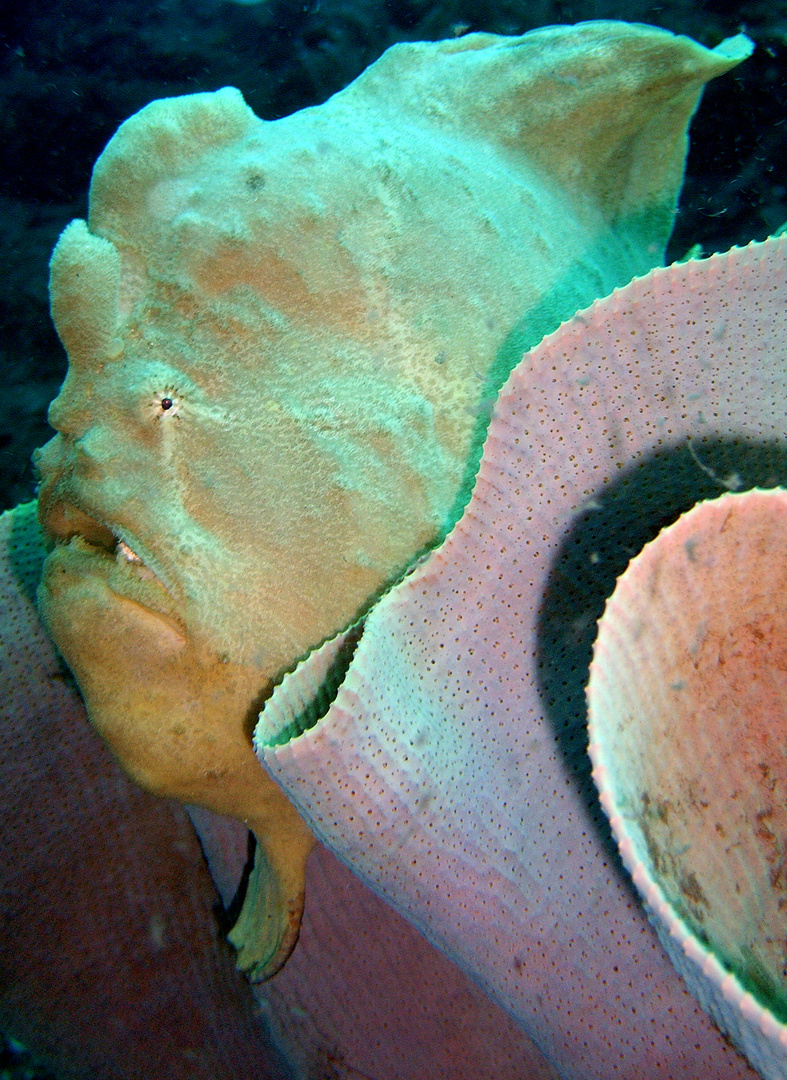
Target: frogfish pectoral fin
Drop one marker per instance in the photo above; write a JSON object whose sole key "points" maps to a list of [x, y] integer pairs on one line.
{"points": [[270, 918]]}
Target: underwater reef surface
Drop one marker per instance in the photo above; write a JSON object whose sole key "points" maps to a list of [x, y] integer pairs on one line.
{"points": [[17, 1063], [72, 70]]}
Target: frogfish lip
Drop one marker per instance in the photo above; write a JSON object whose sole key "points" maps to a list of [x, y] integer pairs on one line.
{"points": [[62, 520], [70, 528]]}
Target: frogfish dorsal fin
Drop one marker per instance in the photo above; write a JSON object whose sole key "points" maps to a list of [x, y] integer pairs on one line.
{"points": [[601, 107]]}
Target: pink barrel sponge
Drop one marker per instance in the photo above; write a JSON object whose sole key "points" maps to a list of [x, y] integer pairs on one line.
{"points": [[688, 727], [450, 769]]}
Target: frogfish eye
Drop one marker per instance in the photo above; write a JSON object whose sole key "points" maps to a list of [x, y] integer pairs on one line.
{"points": [[166, 403]]}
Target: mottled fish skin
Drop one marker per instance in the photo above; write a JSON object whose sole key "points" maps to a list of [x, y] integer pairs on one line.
{"points": [[279, 334]]}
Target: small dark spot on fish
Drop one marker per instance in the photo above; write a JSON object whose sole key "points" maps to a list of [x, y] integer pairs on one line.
{"points": [[692, 890]]}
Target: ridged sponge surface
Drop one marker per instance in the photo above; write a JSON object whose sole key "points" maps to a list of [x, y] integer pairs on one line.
{"points": [[450, 769]]}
